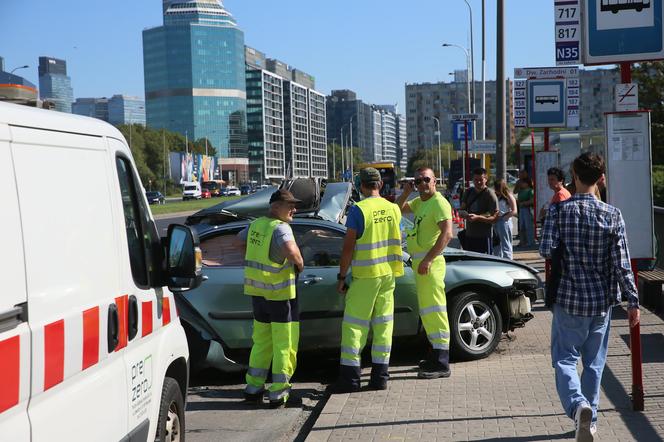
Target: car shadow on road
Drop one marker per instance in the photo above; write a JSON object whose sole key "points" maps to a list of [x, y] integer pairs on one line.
{"points": [[234, 400]]}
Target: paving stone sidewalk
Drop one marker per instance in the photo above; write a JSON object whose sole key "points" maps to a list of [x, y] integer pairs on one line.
{"points": [[510, 396]]}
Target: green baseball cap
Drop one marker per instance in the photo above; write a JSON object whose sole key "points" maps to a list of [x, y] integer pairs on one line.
{"points": [[370, 175]]}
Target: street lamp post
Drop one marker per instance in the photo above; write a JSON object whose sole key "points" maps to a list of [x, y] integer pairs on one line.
{"points": [[472, 61], [440, 162], [343, 166], [20, 67], [334, 160], [452, 45], [350, 123]]}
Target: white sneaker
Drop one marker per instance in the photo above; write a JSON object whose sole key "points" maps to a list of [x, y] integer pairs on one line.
{"points": [[593, 428], [583, 419]]}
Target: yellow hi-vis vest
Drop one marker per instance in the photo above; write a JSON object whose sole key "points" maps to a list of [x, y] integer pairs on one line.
{"points": [[378, 251], [424, 235], [263, 277]]}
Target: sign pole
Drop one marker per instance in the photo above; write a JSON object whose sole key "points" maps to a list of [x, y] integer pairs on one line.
{"points": [[546, 139], [534, 180], [637, 359], [467, 168], [626, 72]]}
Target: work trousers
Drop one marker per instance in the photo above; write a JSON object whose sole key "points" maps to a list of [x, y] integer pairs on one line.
{"points": [[369, 304], [275, 339], [433, 308]]}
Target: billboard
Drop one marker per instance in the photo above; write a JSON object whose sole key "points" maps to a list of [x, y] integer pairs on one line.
{"points": [[187, 167]]}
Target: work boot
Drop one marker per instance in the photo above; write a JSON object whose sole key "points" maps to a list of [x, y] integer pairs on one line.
{"points": [[348, 382], [433, 370], [379, 377], [254, 398], [279, 403], [341, 387]]}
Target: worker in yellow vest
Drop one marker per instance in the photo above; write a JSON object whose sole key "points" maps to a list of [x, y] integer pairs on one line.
{"points": [[372, 252], [272, 261], [425, 242]]}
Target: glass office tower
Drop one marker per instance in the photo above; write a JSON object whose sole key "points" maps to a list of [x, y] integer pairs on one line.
{"points": [[195, 75], [54, 84]]}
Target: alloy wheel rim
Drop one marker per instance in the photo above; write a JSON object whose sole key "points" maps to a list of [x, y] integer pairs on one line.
{"points": [[476, 326]]}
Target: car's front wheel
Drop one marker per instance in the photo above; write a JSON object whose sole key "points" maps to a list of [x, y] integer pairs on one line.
{"points": [[475, 325]]}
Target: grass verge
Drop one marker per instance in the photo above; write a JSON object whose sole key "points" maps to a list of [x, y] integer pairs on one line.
{"points": [[188, 206]]}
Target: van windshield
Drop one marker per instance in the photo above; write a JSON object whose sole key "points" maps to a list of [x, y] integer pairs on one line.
{"points": [[189, 187]]}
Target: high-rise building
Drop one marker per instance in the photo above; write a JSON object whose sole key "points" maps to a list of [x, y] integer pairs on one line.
{"points": [[318, 134], [402, 143], [119, 109], [54, 84], [265, 125], [286, 121], [91, 107], [195, 75], [427, 100], [596, 96], [374, 128], [125, 109]]}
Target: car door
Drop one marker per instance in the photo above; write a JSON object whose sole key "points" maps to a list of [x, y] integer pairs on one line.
{"points": [[221, 300], [321, 307], [15, 333]]}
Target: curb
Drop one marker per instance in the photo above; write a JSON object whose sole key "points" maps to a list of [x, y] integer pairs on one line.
{"points": [[327, 421]]}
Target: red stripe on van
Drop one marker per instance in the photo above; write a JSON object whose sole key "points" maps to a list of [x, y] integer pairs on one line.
{"points": [[90, 337], [123, 315], [10, 372], [146, 310], [167, 311], [54, 353]]}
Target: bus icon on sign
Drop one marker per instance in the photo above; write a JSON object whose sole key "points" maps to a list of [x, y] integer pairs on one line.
{"points": [[616, 6], [542, 99]]}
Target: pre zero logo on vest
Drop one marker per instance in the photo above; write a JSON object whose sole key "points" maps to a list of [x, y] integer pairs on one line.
{"points": [[381, 216]]}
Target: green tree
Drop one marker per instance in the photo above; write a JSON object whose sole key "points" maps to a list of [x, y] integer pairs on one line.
{"points": [[334, 153], [650, 77], [429, 158]]}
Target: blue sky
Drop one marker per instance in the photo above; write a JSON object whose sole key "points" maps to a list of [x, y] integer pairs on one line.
{"points": [[371, 46]]}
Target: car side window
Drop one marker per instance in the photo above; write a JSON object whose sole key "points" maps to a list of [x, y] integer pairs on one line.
{"points": [[320, 246], [142, 238], [220, 250]]}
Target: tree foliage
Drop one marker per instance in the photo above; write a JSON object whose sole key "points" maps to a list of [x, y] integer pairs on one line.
{"points": [[429, 158], [334, 160], [150, 148], [650, 77]]}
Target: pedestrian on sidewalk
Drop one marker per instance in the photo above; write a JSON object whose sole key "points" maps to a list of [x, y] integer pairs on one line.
{"points": [[503, 226], [525, 201], [596, 274], [272, 260], [426, 241], [372, 252], [556, 181], [480, 209]]}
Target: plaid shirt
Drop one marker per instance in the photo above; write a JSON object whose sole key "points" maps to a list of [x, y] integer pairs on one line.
{"points": [[596, 272]]}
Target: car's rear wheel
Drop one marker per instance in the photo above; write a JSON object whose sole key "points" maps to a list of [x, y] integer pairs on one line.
{"points": [[475, 325]]}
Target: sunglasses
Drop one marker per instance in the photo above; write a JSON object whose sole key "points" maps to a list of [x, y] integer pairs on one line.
{"points": [[425, 179]]}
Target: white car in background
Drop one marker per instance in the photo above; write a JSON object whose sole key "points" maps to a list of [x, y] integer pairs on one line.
{"points": [[233, 191], [192, 190]]}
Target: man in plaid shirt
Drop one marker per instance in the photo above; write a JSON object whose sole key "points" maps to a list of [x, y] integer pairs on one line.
{"points": [[596, 276]]}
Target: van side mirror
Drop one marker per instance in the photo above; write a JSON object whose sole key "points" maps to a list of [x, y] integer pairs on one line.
{"points": [[184, 259]]}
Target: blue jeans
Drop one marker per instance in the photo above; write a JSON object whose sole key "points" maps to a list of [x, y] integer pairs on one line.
{"points": [[526, 227], [574, 337], [503, 228]]}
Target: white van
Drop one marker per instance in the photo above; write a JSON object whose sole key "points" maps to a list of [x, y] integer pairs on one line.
{"points": [[91, 346], [191, 190]]}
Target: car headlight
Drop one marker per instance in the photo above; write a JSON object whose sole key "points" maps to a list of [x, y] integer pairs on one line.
{"points": [[520, 274]]}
